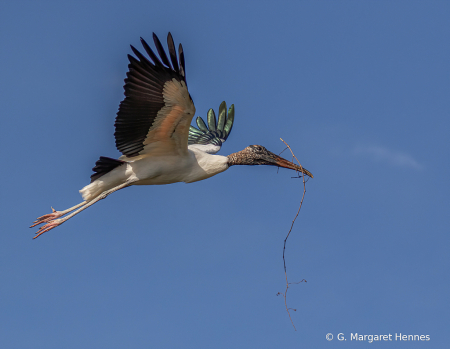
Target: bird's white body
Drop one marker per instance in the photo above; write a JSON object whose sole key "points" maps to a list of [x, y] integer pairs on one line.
{"points": [[193, 166]]}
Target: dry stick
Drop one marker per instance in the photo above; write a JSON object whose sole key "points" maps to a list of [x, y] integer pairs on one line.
{"points": [[289, 233]]}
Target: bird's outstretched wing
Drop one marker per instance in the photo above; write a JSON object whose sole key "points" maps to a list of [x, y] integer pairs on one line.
{"points": [[157, 110], [216, 132]]}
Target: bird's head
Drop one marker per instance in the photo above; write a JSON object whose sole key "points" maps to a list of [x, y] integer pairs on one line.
{"points": [[258, 155]]}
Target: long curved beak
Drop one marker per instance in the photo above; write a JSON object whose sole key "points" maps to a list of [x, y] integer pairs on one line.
{"points": [[276, 160]]}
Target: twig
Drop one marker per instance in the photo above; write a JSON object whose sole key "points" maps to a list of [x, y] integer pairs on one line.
{"points": [[289, 233]]}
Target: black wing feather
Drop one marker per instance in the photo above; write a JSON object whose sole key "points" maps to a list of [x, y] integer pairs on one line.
{"points": [[172, 52], [161, 51], [143, 96], [151, 54], [182, 66]]}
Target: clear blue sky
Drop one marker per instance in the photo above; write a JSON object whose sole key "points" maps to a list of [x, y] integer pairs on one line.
{"points": [[359, 89]]}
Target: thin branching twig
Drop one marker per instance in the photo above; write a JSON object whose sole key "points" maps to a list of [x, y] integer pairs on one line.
{"points": [[287, 236]]}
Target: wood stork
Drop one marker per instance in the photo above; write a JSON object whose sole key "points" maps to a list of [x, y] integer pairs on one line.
{"points": [[153, 132]]}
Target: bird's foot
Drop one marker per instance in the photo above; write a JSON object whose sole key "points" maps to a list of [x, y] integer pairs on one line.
{"points": [[49, 226], [47, 218]]}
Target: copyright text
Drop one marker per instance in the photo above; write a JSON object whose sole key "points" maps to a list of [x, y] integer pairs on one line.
{"points": [[370, 338]]}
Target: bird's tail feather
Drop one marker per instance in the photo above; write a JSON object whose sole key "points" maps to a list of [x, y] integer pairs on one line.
{"points": [[103, 166], [91, 191]]}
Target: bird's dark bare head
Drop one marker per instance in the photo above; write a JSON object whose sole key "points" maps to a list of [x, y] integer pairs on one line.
{"points": [[258, 155]]}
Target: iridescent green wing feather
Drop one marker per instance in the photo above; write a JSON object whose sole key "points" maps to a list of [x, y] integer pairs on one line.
{"points": [[216, 132]]}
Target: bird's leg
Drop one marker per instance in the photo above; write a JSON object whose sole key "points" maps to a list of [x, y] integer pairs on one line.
{"points": [[55, 214], [84, 205]]}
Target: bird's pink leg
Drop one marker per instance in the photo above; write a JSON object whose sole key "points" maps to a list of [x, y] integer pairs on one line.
{"points": [[53, 222], [49, 226], [55, 214]]}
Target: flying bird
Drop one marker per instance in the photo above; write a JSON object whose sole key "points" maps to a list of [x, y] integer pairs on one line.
{"points": [[154, 134]]}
